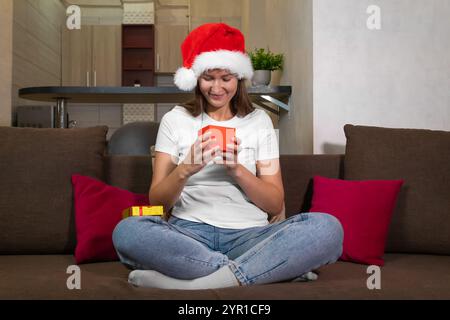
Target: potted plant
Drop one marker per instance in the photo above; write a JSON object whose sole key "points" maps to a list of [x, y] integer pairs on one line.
{"points": [[264, 62]]}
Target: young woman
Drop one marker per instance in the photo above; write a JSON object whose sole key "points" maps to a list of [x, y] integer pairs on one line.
{"points": [[227, 225]]}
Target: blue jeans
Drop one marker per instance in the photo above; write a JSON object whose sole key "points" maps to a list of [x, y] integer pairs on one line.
{"points": [[186, 250]]}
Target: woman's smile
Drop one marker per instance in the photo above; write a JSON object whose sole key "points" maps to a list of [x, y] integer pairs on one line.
{"points": [[217, 96]]}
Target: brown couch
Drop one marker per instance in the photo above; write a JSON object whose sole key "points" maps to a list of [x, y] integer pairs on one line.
{"points": [[37, 228]]}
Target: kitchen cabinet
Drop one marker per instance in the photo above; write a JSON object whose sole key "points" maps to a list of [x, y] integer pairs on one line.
{"points": [[77, 57], [91, 56], [168, 43], [106, 55], [138, 55]]}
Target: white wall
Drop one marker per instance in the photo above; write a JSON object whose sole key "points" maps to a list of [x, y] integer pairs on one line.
{"points": [[398, 76], [285, 26]]}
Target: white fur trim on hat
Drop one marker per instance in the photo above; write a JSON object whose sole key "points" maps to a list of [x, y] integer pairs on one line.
{"points": [[185, 79], [234, 61]]}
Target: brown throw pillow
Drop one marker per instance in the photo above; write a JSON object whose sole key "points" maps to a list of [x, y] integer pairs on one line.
{"points": [[421, 221], [36, 207]]}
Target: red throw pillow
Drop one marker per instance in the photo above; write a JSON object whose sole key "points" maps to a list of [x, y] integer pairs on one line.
{"points": [[98, 209], [364, 209]]}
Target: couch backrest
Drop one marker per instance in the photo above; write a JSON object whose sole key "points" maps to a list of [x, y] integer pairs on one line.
{"points": [[36, 200], [421, 220], [36, 165], [133, 173], [36, 204], [298, 171]]}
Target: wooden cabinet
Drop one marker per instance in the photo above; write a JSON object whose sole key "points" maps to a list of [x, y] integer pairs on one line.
{"points": [[138, 55], [91, 56], [106, 55], [168, 45], [77, 57]]}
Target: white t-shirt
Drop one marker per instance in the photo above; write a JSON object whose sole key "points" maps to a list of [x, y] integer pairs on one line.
{"points": [[211, 195]]}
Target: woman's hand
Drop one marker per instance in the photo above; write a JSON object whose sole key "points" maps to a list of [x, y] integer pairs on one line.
{"points": [[201, 153], [279, 217], [230, 156]]}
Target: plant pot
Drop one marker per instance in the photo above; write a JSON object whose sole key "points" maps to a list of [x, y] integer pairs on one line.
{"points": [[276, 78], [261, 78]]}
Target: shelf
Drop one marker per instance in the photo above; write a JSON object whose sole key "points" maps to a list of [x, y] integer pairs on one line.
{"points": [[273, 99], [138, 36], [279, 95], [138, 59], [138, 55], [138, 47], [143, 77], [137, 69]]}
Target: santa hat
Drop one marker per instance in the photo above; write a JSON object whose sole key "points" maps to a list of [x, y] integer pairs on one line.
{"points": [[212, 46]]}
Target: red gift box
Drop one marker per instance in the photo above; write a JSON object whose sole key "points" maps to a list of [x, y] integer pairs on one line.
{"points": [[222, 135]]}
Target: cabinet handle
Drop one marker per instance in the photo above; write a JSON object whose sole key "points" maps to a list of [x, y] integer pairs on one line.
{"points": [[87, 79], [95, 78], [157, 61]]}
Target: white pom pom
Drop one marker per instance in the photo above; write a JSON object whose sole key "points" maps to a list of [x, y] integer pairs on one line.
{"points": [[185, 79]]}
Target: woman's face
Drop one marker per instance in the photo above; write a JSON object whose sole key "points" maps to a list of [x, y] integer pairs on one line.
{"points": [[218, 86]]}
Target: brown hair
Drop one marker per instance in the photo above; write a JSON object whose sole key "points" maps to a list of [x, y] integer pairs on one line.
{"points": [[241, 104]]}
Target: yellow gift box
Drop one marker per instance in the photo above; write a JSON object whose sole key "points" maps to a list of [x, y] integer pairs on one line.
{"points": [[140, 211]]}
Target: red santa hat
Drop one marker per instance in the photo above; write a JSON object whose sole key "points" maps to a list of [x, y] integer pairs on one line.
{"points": [[212, 46]]}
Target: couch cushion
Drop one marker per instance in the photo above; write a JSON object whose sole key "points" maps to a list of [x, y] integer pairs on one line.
{"points": [[45, 277], [36, 211], [364, 208], [402, 277], [421, 221], [98, 209]]}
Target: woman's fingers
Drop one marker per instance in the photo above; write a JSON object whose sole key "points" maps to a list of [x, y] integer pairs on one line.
{"points": [[237, 144], [205, 136], [230, 157], [206, 149], [208, 144], [233, 148], [210, 154], [202, 144]]}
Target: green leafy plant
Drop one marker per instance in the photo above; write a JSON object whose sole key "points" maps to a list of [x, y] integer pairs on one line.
{"points": [[263, 59]]}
